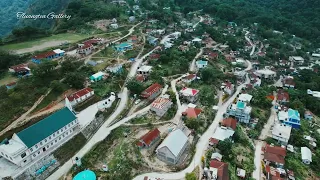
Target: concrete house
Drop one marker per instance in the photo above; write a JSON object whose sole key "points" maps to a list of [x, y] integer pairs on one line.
{"points": [[40, 139], [189, 78], [161, 105], [288, 82], [114, 26], [281, 133], [144, 70], [80, 96], [266, 73], [115, 69], [152, 40], [123, 47], [227, 87], [11, 85], [240, 111], [172, 147], [152, 91], [85, 48], [192, 113], [306, 155], [97, 76], [201, 64], [290, 118], [149, 139], [190, 94], [20, 70], [48, 56], [308, 115], [218, 170], [296, 60], [274, 154], [282, 96]]}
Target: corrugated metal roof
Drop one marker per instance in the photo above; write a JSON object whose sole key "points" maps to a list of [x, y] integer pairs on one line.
{"points": [[175, 141]]}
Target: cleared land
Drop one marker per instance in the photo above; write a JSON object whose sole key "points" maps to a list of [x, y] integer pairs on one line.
{"points": [[7, 79]]}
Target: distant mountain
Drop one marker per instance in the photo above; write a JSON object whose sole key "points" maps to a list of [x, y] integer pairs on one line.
{"points": [[10, 8]]}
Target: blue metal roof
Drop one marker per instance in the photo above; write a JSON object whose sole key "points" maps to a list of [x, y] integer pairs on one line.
{"points": [[85, 175]]}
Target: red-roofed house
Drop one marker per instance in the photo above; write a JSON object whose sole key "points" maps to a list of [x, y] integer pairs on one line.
{"points": [[274, 154], [219, 170], [289, 83], [189, 78], [11, 85], [140, 78], [213, 141], [282, 96], [152, 91], [190, 94], [192, 112], [149, 139], [85, 49], [273, 173], [230, 122], [228, 87], [154, 56], [80, 96], [161, 105], [213, 55], [48, 55], [20, 69]]}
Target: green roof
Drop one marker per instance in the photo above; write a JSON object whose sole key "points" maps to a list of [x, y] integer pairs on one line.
{"points": [[44, 128]]}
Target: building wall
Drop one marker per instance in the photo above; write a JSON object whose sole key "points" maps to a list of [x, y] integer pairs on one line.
{"points": [[165, 155], [280, 139], [239, 115], [82, 98], [155, 94], [52, 141]]}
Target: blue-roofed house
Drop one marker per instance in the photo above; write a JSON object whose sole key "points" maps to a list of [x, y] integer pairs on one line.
{"points": [[123, 47], [201, 64], [97, 76], [290, 118], [241, 111], [41, 138], [85, 175], [153, 41]]}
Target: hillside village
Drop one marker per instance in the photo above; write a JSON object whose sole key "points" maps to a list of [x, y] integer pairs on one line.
{"points": [[197, 97]]}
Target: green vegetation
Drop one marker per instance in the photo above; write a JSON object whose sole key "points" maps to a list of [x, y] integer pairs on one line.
{"points": [[191, 176], [70, 148], [87, 103]]}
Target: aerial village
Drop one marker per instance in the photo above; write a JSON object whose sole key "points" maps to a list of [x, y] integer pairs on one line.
{"points": [[165, 101]]}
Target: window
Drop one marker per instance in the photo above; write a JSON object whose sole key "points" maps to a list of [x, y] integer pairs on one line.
{"points": [[40, 143], [56, 141], [51, 143], [65, 127], [11, 158], [31, 149], [23, 155], [69, 125], [45, 140], [38, 152], [67, 133], [54, 135], [2, 153], [47, 146], [62, 135], [60, 138], [72, 123], [49, 137], [61, 130], [36, 146], [34, 155], [58, 132], [25, 161]]}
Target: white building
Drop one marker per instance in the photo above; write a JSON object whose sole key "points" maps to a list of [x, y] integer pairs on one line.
{"points": [[281, 133], [306, 155], [161, 105], [190, 94], [172, 147], [240, 111], [222, 133], [266, 73], [245, 98], [40, 139], [114, 25], [79, 96], [296, 59], [145, 70]]}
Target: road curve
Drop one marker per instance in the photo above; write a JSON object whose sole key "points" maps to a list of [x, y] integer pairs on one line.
{"points": [[202, 143]]}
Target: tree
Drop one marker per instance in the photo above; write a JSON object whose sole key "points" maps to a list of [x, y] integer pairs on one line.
{"points": [[56, 86], [225, 148], [206, 95], [134, 86], [191, 176], [68, 66], [75, 80]]}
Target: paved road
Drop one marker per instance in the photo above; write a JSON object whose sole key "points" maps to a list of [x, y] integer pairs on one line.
{"points": [[252, 45], [195, 25], [202, 143], [193, 63]]}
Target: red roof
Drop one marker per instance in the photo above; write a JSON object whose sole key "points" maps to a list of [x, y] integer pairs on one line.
{"points": [[213, 141], [213, 55], [228, 84], [85, 46], [193, 112], [289, 81], [154, 56], [11, 84], [19, 67], [92, 41], [190, 76], [150, 90], [222, 167], [140, 77], [282, 95], [275, 154], [273, 172], [79, 94], [134, 38], [230, 122], [44, 55], [150, 136]]}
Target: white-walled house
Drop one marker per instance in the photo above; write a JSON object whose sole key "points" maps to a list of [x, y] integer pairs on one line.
{"points": [[281, 132], [41, 138], [161, 105], [145, 70], [172, 147], [80, 96], [306, 155], [296, 59]]}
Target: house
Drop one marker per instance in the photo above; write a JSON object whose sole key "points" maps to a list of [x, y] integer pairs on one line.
{"points": [[40, 139], [213, 141], [152, 40], [312, 141], [308, 115], [190, 94], [290, 118], [266, 73], [97, 76], [289, 82], [133, 39], [149, 139], [213, 55], [282, 96], [274, 154], [216, 156], [80, 96], [172, 147], [144, 70], [85, 48], [115, 69], [167, 45], [152, 91], [227, 87], [315, 94], [140, 78], [273, 173], [154, 56], [189, 78], [296, 59], [48, 55], [183, 48], [175, 35], [222, 133], [306, 155], [241, 173], [245, 98], [218, 170], [201, 64], [281, 132], [192, 113], [92, 63], [284, 63], [11, 85], [123, 47], [136, 7], [114, 26], [20, 70], [161, 105], [196, 40], [229, 123], [240, 111]]}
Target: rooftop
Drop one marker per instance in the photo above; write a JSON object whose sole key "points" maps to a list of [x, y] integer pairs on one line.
{"points": [[175, 141], [220, 169], [150, 136], [189, 91], [193, 112], [98, 74], [230, 122], [245, 97], [306, 154], [145, 68], [79, 93], [222, 133], [282, 131], [44, 128], [160, 102]]}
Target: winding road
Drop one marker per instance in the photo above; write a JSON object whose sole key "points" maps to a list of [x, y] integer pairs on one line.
{"points": [[251, 43]]}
